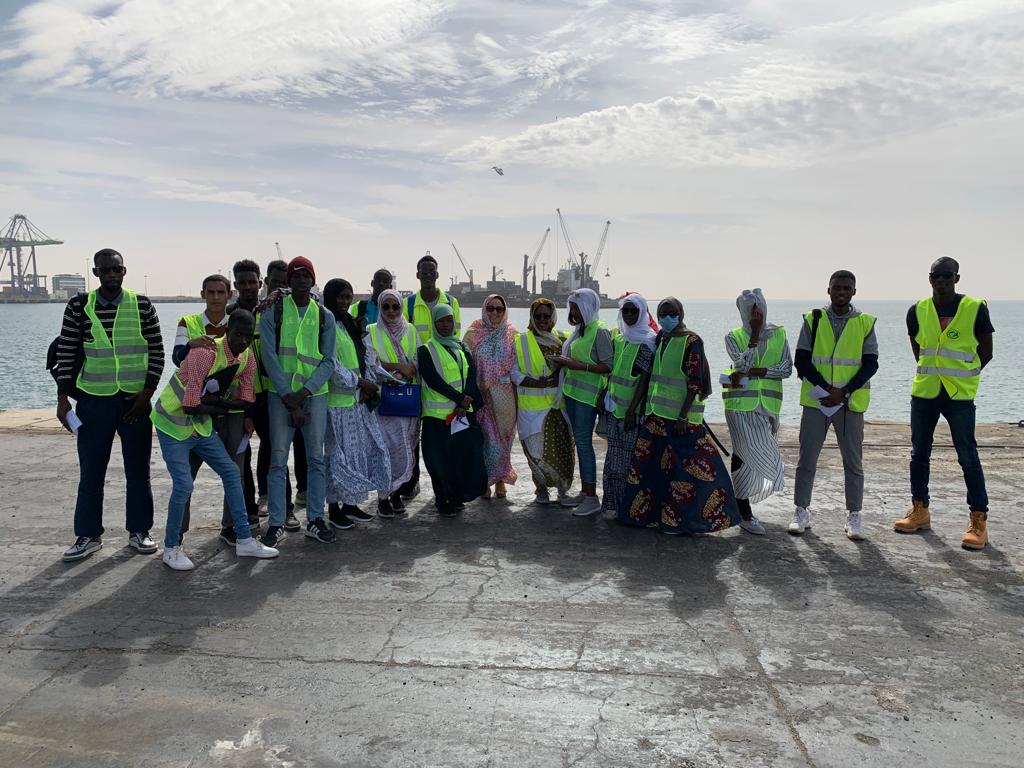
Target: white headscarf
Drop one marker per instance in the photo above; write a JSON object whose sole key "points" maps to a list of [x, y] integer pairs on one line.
{"points": [[745, 302], [589, 305], [640, 332]]}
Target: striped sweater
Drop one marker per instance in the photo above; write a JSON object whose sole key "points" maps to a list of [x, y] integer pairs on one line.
{"points": [[77, 328]]}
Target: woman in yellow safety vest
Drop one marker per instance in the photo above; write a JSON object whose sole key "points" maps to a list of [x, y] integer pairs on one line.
{"points": [[452, 440], [677, 481], [586, 361], [391, 346], [634, 353], [355, 452], [543, 430], [753, 401]]}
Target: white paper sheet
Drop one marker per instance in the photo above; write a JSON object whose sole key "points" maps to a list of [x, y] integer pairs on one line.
{"points": [[726, 381], [459, 423], [211, 387], [74, 423], [818, 393], [242, 445]]}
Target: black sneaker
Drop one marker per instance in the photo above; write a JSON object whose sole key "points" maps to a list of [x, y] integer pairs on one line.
{"points": [[411, 493], [447, 511], [339, 520], [273, 537], [291, 522], [319, 529], [355, 514], [397, 504], [384, 507], [228, 536], [82, 548]]}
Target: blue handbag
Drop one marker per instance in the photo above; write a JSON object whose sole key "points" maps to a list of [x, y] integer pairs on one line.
{"points": [[399, 400]]}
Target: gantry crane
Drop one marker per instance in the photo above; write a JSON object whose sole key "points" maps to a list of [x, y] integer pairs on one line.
{"points": [[469, 272], [18, 234], [530, 265]]}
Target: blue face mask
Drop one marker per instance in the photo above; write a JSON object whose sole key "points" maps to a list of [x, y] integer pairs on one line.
{"points": [[669, 323]]}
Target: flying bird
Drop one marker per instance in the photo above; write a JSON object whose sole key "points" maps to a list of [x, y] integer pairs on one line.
{"points": [[497, 170]]}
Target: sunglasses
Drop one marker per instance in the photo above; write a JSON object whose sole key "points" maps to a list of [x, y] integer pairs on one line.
{"points": [[668, 313], [390, 306], [108, 270], [941, 275], [496, 308], [541, 315]]}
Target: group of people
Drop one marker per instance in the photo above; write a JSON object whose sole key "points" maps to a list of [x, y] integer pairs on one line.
{"points": [[362, 390]]}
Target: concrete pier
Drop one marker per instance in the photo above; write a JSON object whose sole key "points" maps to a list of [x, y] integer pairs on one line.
{"points": [[517, 635]]}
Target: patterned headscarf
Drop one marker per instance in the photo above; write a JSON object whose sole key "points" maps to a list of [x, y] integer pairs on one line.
{"points": [[492, 344], [547, 339], [395, 328]]}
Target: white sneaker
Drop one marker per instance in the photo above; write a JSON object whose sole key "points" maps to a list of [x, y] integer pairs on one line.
{"points": [[176, 559], [801, 521], [263, 506], [252, 547], [590, 505], [753, 525], [854, 527], [542, 497], [570, 501]]}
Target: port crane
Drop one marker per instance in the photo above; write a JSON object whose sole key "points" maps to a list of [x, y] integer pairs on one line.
{"points": [[579, 261], [280, 253], [530, 265], [469, 272], [599, 251]]}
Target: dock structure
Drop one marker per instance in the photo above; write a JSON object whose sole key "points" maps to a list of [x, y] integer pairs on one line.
{"points": [[18, 242], [517, 635]]}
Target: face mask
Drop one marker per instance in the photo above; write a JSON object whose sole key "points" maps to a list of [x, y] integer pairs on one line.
{"points": [[669, 324]]}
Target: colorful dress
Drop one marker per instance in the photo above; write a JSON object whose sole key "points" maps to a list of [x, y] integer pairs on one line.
{"points": [[620, 444], [678, 483]]}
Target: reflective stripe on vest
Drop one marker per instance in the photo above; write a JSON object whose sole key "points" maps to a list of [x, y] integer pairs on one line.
{"points": [[532, 363], [622, 383], [118, 364], [436, 405], [838, 360], [949, 357], [347, 358], [299, 351], [194, 326], [582, 386], [667, 392], [385, 348], [168, 414], [760, 391], [421, 316]]}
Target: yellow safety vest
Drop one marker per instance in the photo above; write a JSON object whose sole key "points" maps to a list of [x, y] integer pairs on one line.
{"points": [[420, 315], [436, 405], [839, 360], [948, 357], [622, 383], [533, 365], [667, 391], [761, 391], [385, 348], [299, 352], [194, 325], [118, 364], [347, 358], [168, 415], [582, 386]]}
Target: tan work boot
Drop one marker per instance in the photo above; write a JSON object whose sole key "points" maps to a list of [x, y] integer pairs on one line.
{"points": [[977, 534], [917, 519]]}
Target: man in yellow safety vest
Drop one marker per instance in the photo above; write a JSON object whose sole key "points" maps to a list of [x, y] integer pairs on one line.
{"points": [[951, 336]]}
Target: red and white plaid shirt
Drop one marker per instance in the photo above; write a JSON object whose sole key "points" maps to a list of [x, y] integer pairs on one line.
{"points": [[196, 367]]}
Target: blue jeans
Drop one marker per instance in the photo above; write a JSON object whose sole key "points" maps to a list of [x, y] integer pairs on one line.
{"points": [[211, 450], [281, 434], [959, 414], [102, 419], [582, 418]]}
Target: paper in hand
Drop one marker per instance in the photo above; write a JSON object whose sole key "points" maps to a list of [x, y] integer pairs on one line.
{"points": [[211, 387], [381, 373], [459, 423], [74, 423], [242, 445], [726, 381], [818, 393]]}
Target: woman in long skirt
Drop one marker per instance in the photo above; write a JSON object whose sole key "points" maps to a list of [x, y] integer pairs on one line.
{"points": [[354, 448], [452, 439], [543, 429], [391, 344], [677, 480], [491, 341], [760, 354]]}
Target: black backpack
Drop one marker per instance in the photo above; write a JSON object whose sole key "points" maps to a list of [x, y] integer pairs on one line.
{"points": [[51, 359]]}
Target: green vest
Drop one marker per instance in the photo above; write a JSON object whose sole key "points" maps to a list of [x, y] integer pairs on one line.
{"points": [[299, 353], [760, 391], [839, 360], [532, 364], [582, 386], [667, 392], [422, 318], [194, 325], [622, 383], [118, 364], [168, 415], [347, 358], [948, 357], [436, 405], [385, 348]]}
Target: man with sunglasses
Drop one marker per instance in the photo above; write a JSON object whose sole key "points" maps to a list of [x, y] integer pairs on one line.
{"points": [[951, 337], [110, 357]]}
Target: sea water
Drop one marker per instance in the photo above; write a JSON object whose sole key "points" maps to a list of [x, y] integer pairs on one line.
{"points": [[26, 332]]}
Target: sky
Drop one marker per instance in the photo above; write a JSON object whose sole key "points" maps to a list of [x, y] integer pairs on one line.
{"points": [[731, 144]]}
